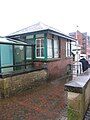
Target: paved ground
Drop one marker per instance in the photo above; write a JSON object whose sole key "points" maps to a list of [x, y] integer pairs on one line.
{"points": [[47, 102]]}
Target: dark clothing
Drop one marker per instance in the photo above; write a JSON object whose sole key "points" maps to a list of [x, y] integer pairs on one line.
{"points": [[85, 64]]}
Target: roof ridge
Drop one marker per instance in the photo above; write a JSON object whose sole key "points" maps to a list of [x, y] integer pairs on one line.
{"points": [[24, 28], [39, 25]]}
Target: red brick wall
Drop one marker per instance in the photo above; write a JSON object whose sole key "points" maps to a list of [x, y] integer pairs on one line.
{"points": [[38, 64], [57, 68], [81, 38]]}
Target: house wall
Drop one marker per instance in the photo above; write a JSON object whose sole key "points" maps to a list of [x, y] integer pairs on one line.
{"points": [[57, 67]]}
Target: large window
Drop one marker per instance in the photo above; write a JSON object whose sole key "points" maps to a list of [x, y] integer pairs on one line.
{"points": [[53, 48], [49, 48], [19, 57], [56, 49], [6, 57], [40, 48], [30, 39], [19, 54], [28, 52], [15, 57], [68, 49]]}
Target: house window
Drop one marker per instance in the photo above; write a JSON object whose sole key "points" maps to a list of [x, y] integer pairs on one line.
{"points": [[52, 48], [19, 53], [29, 37], [19, 56], [6, 57], [68, 49], [15, 57], [40, 48], [49, 48], [39, 35], [28, 52], [56, 48]]}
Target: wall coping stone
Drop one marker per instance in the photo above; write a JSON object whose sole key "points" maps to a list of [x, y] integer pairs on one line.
{"points": [[79, 83], [19, 72]]}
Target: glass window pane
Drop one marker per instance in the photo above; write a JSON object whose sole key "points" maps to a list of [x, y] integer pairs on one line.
{"points": [[39, 35], [40, 47], [38, 52], [67, 49], [29, 36], [19, 54], [28, 52], [42, 52], [56, 44], [38, 43], [49, 48], [6, 57], [42, 42], [56, 53], [56, 49], [50, 53]]}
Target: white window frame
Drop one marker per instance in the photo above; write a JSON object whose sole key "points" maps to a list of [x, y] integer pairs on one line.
{"points": [[40, 48]]}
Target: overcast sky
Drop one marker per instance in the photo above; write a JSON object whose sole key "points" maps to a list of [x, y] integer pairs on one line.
{"points": [[64, 15]]}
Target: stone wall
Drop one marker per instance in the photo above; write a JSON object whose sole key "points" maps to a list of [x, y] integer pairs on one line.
{"points": [[18, 83], [78, 92]]}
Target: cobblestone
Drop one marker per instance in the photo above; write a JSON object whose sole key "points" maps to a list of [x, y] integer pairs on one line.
{"points": [[47, 102]]}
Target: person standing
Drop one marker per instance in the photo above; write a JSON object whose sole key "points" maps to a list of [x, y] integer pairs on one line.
{"points": [[85, 64]]}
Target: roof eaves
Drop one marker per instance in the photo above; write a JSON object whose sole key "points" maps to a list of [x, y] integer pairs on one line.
{"points": [[62, 35], [39, 31]]}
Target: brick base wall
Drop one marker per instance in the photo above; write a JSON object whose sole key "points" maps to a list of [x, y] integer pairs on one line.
{"points": [[57, 68], [16, 84]]}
